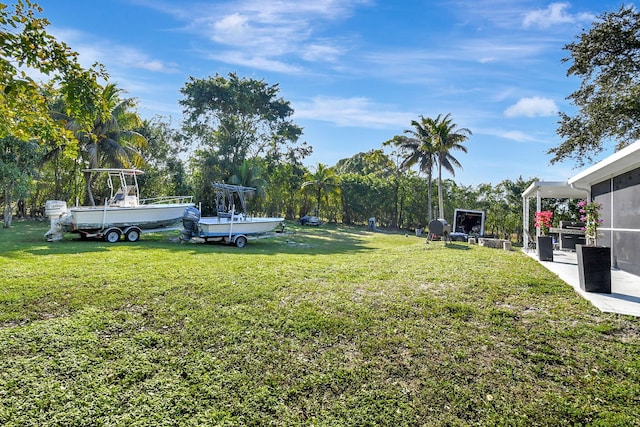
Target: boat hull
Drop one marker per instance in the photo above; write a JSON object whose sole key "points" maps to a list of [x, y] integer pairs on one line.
{"points": [[143, 216], [221, 227]]}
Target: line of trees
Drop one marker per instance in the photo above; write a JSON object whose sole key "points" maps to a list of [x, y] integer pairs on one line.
{"points": [[235, 130], [239, 130]]}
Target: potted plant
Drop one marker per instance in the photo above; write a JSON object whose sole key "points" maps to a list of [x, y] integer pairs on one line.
{"points": [[544, 245], [594, 262]]}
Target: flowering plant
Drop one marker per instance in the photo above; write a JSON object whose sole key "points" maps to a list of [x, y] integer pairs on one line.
{"points": [[543, 221], [590, 215]]}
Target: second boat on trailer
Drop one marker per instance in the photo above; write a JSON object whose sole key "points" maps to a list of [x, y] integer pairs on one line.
{"points": [[231, 224]]}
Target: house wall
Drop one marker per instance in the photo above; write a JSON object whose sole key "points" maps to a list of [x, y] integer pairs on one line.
{"points": [[620, 198]]}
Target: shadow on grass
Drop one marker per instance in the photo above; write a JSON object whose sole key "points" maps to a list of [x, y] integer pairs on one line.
{"points": [[28, 236]]}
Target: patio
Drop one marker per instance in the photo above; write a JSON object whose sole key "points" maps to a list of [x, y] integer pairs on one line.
{"points": [[625, 287]]}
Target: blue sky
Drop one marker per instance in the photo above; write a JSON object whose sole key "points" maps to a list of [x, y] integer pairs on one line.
{"points": [[356, 71]]}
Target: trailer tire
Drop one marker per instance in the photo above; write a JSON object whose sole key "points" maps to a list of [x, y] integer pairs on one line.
{"points": [[112, 235], [241, 241], [132, 234]]}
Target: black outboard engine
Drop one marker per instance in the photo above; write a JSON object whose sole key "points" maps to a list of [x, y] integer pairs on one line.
{"points": [[190, 219]]}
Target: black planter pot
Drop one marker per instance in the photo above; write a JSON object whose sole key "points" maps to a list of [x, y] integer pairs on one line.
{"points": [[544, 248], [594, 268]]}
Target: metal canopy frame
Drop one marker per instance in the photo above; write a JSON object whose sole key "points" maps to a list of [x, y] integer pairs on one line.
{"points": [[225, 197]]}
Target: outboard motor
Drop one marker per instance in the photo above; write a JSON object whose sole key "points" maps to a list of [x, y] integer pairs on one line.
{"points": [[190, 219], [54, 210]]}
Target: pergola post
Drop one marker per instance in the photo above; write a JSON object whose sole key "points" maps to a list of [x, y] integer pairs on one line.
{"points": [[538, 208]]}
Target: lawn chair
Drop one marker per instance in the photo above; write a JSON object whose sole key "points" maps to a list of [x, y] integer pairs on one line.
{"points": [[531, 243]]}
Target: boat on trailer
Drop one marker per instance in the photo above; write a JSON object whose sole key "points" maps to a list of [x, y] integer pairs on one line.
{"points": [[231, 223], [124, 213]]}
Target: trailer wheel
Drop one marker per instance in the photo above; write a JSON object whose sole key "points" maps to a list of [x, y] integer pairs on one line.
{"points": [[112, 235], [132, 234], [241, 241]]}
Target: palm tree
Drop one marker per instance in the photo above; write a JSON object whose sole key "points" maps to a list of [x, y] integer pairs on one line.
{"points": [[111, 142], [445, 137], [321, 183], [249, 174], [418, 149]]}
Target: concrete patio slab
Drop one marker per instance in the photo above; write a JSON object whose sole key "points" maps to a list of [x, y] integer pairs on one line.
{"points": [[625, 287]]}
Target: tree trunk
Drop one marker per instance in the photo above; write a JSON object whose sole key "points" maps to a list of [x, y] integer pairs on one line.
{"points": [[318, 205], [87, 179], [440, 199], [394, 219], [401, 210], [429, 197], [6, 217]]}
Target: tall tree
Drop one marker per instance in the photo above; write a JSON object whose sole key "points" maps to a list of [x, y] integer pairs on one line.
{"points": [[373, 161], [283, 193], [445, 137], [418, 149], [250, 174], [112, 140], [237, 118], [608, 100], [18, 161], [25, 47], [322, 183], [385, 172], [165, 170]]}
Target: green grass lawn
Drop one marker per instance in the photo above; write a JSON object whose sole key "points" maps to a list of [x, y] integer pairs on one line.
{"points": [[328, 326]]}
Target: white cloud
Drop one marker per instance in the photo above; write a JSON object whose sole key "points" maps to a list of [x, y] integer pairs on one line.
{"points": [[532, 107], [554, 14], [133, 58], [274, 31], [92, 50], [233, 29], [512, 135], [356, 112], [516, 135], [255, 61], [322, 52]]}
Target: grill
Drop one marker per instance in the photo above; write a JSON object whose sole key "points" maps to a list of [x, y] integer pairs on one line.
{"points": [[439, 228], [570, 234]]}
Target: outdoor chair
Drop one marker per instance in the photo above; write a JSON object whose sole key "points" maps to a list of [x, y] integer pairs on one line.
{"points": [[531, 245]]}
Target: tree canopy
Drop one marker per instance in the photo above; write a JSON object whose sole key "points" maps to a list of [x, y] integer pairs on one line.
{"points": [[238, 118], [26, 122], [322, 183], [50, 132], [446, 137], [418, 149], [607, 59], [25, 49]]}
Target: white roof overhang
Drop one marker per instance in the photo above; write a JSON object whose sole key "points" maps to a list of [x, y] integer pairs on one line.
{"points": [[553, 190], [618, 163]]}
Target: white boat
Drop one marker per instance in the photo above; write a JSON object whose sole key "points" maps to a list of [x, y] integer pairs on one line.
{"points": [[230, 225], [123, 213], [217, 226]]}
